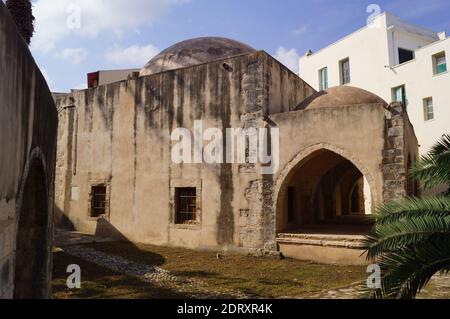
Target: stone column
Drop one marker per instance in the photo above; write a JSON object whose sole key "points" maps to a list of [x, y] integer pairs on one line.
{"points": [[394, 157]]}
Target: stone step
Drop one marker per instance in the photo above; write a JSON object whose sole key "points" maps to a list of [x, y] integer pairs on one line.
{"points": [[327, 240]]}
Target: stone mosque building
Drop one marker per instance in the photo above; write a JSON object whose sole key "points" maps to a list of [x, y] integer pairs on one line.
{"points": [[342, 152], [99, 161]]}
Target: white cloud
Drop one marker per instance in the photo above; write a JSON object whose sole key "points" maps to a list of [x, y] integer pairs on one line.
{"points": [[58, 20], [289, 58], [134, 56], [74, 55], [300, 31]]}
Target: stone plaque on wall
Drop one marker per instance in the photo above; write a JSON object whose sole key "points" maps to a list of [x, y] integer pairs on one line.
{"points": [[75, 194]]}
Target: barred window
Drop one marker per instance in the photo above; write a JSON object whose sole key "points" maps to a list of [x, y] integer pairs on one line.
{"points": [[98, 200], [186, 205]]}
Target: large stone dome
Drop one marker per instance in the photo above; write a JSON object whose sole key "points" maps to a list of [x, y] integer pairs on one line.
{"points": [[194, 52], [340, 96]]}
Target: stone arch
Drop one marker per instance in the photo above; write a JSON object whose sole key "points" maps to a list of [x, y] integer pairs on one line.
{"points": [[33, 232], [280, 187]]}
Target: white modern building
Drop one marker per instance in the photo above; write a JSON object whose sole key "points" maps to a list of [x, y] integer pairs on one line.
{"points": [[395, 60]]}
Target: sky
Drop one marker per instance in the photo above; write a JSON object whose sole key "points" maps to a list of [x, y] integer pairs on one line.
{"points": [[75, 37]]}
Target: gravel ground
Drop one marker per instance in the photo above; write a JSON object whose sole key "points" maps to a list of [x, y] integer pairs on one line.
{"points": [[438, 288], [152, 274]]}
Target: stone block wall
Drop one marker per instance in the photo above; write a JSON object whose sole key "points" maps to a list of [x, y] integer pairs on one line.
{"points": [[28, 123], [395, 154], [127, 126], [67, 119], [7, 241]]}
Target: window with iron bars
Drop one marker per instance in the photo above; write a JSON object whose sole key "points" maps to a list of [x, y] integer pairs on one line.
{"points": [[186, 205], [98, 200]]}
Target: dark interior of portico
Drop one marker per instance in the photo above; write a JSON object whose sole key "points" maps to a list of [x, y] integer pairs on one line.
{"points": [[326, 193]]}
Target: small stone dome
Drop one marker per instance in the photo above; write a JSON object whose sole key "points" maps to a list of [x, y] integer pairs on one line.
{"points": [[194, 52], [340, 96]]}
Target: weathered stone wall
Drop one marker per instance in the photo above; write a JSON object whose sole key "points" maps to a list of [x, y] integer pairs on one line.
{"points": [[66, 139], [119, 134], [369, 136], [400, 144], [285, 89], [28, 123]]}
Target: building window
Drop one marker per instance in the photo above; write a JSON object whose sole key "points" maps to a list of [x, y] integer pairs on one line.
{"points": [[186, 205], [98, 200], [428, 110], [405, 55], [323, 79], [440, 63], [345, 71], [399, 95]]}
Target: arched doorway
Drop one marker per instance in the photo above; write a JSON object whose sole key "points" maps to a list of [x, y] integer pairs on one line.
{"points": [[324, 190], [31, 278]]}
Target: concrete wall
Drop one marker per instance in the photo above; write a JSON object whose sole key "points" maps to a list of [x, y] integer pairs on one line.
{"points": [[367, 50], [28, 124], [372, 51], [420, 83], [119, 134], [111, 76]]}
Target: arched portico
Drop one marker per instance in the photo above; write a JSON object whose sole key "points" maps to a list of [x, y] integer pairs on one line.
{"points": [[323, 186]]}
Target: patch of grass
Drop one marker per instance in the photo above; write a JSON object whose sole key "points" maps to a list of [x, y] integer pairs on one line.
{"points": [[259, 277]]}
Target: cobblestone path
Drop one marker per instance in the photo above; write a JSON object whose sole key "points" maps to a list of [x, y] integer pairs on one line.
{"points": [[152, 274]]}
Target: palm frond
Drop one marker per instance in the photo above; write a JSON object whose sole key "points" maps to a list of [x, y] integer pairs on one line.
{"points": [[411, 237], [406, 271], [408, 221], [438, 206], [442, 146], [433, 169], [406, 232]]}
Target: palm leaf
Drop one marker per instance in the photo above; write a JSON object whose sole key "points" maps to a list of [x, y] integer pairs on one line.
{"points": [[438, 206], [434, 168], [408, 221], [442, 146], [411, 237], [408, 270]]}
